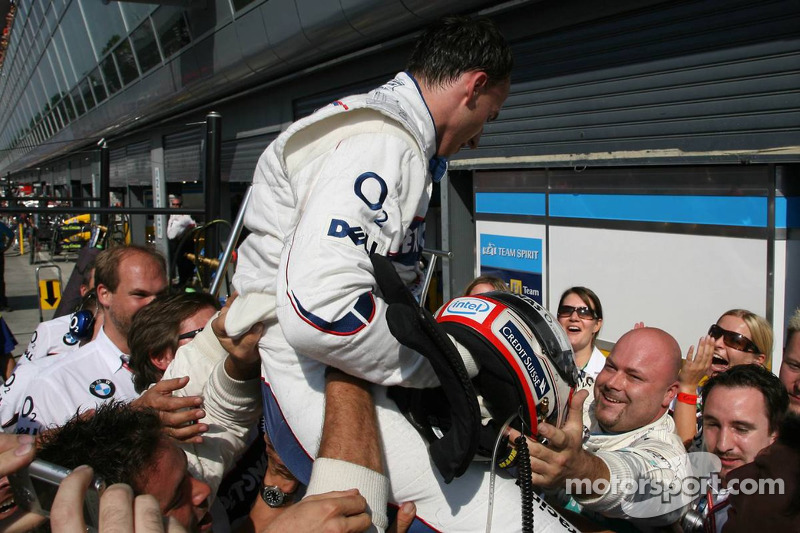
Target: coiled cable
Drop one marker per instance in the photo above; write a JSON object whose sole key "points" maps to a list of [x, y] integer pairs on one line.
{"points": [[525, 483]]}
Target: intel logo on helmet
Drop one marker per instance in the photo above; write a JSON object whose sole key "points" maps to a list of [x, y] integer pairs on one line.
{"points": [[472, 308], [468, 306]]}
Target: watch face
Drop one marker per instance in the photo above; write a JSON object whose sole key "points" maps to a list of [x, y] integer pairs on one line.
{"points": [[273, 496]]}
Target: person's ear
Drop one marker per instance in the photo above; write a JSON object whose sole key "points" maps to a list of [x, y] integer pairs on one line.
{"points": [[478, 80], [671, 393], [104, 295], [161, 361], [597, 326], [759, 359]]}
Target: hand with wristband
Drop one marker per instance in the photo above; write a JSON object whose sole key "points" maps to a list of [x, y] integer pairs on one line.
{"points": [[695, 367]]}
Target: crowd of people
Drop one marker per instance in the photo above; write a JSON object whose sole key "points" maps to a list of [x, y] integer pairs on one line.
{"points": [[277, 413]]}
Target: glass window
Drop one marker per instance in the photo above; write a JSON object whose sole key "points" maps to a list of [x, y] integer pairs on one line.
{"points": [[172, 30], [48, 82], [50, 17], [144, 42], [110, 74], [35, 16], [50, 62], [86, 91], [67, 110], [78, 46], [96, 81], [134, 13], [59, 51], [240, 4], [77, 100], [104, 23], [126, 62]]}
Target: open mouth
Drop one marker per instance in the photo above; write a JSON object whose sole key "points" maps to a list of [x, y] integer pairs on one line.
{"points": [[573, 329], [8, 506], [205, 523], [718, 361]]}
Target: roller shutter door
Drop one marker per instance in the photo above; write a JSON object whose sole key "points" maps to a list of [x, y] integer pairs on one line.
{"points": [[118, 170], [239, 157], [182, 155], [139, 170], [697, 77]]}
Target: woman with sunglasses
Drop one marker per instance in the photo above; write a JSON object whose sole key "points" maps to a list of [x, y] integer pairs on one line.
{"points": [[739, 337], [581, 315]]}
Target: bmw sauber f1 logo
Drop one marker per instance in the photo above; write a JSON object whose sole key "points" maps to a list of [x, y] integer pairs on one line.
{"points": [[102, 388]]}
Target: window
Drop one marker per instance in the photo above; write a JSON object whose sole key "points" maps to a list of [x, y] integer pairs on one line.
{"points": [[80, 108], [96, 81], [172, 30], [110, 74], [126, 62], [241, 4], [86, 92], [144, 43], [77, 45]]}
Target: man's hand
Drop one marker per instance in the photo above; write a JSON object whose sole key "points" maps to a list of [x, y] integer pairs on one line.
{"points": [[243, 361], [179, 414], [331, 512], [564, 457], [119, 511]]}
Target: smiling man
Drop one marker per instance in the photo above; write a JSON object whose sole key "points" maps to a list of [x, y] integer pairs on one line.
{"points": [[742, 411], [632, 437]]}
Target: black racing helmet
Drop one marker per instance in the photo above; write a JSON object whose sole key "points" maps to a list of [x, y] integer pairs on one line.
{"points": [[526, 361]]}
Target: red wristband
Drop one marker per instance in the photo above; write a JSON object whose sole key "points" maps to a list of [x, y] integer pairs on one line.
{"points": [[690, 399]]}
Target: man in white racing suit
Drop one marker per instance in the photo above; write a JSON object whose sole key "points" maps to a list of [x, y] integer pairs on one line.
{"points": [[355, 179]]}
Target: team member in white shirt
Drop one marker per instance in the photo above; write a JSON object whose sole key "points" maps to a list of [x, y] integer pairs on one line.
{"points": [[128, 278], [50, 337]]}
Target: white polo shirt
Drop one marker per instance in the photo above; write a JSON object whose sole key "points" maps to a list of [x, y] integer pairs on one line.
{"points": [[87, 378], [15, 390], [48, 339]]}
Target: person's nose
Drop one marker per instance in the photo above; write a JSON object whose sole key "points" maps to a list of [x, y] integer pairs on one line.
{"points": [[200, 492], [473, 142], [724, 440]]}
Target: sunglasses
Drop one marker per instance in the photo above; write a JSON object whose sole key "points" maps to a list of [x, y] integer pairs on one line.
{"points": [[189, 334], [734, 340], [587, 313]]}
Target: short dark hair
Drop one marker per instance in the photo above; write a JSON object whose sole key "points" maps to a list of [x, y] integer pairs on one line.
{"points": [[756, 376], [454, 45], [155, 329], [106, 271], [86, 275], [118, 441]]}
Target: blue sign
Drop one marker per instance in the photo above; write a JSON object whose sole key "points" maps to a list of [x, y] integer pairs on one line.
{"points": [[515, 260], [511, 253]]}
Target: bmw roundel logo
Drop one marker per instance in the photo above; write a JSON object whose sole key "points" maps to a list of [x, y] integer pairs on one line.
{"points": [[102, 388]]}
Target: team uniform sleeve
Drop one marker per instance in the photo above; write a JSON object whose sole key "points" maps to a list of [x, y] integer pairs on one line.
{"points": [[657, 462], [366, 200], [232, 410]]}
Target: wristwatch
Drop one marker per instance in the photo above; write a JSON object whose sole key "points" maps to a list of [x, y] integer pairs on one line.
{"points": [[274, 496]]}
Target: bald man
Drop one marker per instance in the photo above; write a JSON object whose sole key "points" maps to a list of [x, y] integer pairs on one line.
{"points": [[633, 459]]}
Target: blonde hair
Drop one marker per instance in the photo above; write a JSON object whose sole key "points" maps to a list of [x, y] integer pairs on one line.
{"points": [[760, 331]]}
